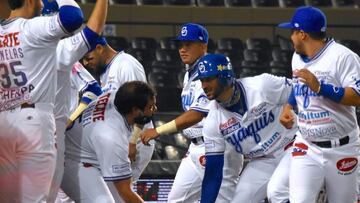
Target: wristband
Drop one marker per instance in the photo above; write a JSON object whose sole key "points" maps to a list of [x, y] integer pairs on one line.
{"points": [[167, 128], [331, 92], [135, 135], [88, 97], [78, 111]]}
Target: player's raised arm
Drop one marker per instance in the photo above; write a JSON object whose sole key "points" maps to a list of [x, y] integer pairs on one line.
{"points": [[68, 19], [98, 16], [70, 50]]}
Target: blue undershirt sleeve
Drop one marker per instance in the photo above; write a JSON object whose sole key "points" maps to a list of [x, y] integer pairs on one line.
{"points": [[71, 18], [212, 178]]}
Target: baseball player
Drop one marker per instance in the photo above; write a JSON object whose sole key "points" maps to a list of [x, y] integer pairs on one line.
{"points": [[193, 39], [326, 87], [116, 68], [69, 51], [97, 144], [82, 83], [27, 95], [244, 115]]}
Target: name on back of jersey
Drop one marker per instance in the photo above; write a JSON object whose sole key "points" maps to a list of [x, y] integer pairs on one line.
{"points": [[9, 47], [96, 110]]}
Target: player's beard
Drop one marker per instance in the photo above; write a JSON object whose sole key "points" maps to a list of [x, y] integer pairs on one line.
{"points": [[100, 69], [299, 48], [142, 119], [218, 91]]}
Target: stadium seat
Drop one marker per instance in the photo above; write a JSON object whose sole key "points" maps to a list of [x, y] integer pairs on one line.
{"points": [[344, 3], [159, 151], [281, 55], [284, 43], [181, 140], [171, 153], [168, 99], [211, 45], [150, 2], [354, 45], [179, 2], [162, 78], [248, 72], [180, 78], [282, 71], [143, 43], [145, 56], [291, 3], [320, 3], [210, 3], [168, 43], [124, 1], [236, 56], [259, 57], [258, 44], [168, 55], [231, 3], [118, 43], [265, 3], [227, 43]]}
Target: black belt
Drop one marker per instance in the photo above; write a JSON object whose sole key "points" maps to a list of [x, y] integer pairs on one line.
{"points": [[197, 140], [327, 144], [87, 165], [27, 105]]}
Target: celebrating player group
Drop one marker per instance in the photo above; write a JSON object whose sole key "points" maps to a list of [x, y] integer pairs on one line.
{"points": [[299, 135]]}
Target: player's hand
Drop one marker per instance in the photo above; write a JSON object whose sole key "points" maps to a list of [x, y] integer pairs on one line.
{"points": [[132, 152], [69, 123], [148, 135], [287, 117], [308, 78]]}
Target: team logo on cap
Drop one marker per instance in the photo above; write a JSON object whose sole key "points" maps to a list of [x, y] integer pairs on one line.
{"points": [[202, 67], [184, 31], [296, 25]]}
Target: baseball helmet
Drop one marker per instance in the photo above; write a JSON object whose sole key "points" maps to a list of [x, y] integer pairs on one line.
{"points": [[218, 65], [49, 7]]}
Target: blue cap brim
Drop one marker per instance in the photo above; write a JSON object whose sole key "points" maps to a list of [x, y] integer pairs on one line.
{"points": [[185, 39], [287, 25]]}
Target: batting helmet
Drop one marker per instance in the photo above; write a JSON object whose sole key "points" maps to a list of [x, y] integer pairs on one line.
{"points": [[49, 7], [218, 65]]}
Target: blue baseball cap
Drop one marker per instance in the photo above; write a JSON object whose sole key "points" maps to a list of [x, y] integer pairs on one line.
{"points": [[308, 19], [99, 41], [193, 32]]}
